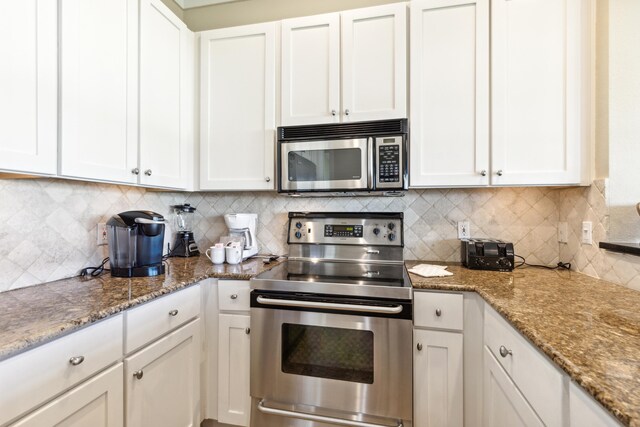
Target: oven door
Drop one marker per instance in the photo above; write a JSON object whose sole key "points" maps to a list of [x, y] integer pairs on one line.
{"points": [[340, 164], [343, 358]]}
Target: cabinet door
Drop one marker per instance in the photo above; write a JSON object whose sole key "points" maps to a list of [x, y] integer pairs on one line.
{"points": [[96, 403], [28, 86], [540, 90], [163, 381], [311, 70], [234, 400], [374, 63], [237, 137], [99, 78], [438, 379], [586, 412], [166, 78], [504, 405], [449, 93]]}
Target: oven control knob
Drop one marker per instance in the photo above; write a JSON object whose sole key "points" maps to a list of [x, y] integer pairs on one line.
{"points": [[376, 231], [298, 224], [298, 234], [391, 226], [392, 237]]}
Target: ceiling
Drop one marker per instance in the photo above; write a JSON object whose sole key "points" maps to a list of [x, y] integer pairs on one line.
{"points": [[188, 4]]}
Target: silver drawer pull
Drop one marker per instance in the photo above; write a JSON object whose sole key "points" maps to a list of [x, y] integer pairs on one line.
{"points": [[234, 296], [373, 251], [504, 352], [419, 347], [76, 360], [173, 313], [319, 418], [331, 306], [138, 374], [438, 312]]}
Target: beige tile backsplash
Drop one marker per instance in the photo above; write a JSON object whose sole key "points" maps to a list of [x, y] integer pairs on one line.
{"points": [[48, 226]]}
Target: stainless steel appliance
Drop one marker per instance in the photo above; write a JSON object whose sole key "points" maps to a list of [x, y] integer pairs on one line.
{"points": [[331, 334], [354, 157], [135, 244]]}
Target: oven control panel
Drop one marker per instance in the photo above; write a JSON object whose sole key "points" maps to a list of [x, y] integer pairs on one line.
{"points": [[384, 231]]}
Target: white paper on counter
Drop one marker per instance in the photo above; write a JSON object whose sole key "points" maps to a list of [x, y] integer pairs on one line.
{"points": [[430, 270]]}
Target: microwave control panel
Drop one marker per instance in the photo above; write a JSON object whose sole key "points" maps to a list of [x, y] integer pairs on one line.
{"points": [[389, 157]]}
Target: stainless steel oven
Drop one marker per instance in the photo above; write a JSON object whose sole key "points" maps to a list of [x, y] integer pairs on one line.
{"points": [[343, 157], [331, 329]]}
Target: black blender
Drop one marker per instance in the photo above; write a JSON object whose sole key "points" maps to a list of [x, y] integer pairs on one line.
{"points": [[185, 244]]}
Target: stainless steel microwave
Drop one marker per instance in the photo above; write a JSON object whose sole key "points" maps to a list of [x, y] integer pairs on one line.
{"points": [[343, 158]]}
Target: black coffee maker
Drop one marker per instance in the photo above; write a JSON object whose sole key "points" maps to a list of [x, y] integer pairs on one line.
{"points": [[135, 244]]}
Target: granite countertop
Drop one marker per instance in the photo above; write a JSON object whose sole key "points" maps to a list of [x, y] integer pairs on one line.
{"points": [[588, 327], [37, 314]]}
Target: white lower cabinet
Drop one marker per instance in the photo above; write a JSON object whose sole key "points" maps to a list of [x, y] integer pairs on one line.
{"points": [[438, 379], [586, 412], [504, 405], [97, 403], [162, 381]]}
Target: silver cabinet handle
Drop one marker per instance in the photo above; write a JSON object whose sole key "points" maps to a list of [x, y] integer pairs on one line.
{"points": [[319, 418], [268, 179], [504, 352], [334, 112], [135, 171], [438, 312], [76, 360], [500, 172], [138, 374], [173, 313], [148, 172], [419, 347], [247, 331], [330, 306], [234, 296], [347, 112], [483, 172]]}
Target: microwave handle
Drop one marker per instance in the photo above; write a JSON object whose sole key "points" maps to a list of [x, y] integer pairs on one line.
{"points": [[370, 154]]}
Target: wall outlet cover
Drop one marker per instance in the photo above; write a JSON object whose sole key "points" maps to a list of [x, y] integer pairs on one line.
{"points": [[464, 230], [563, 232], [101, 234], [587, 233]]}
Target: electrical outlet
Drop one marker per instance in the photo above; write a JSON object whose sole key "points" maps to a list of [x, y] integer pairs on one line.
{"points": [[563, 232], [587, 232], [464, 230], [101, 234]]}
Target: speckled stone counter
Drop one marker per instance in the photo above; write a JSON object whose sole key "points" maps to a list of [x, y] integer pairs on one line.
{"points": [[588, 327], [37, 314]]}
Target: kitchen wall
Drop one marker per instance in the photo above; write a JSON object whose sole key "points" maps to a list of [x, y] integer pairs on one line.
{"points": [[254, 11], [48, 226], [590, 204]]}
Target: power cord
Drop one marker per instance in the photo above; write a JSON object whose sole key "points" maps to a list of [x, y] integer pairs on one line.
{"points": [[95, 271], [559, 266]]}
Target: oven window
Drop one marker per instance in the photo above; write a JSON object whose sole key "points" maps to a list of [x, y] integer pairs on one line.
{"points": [[325, 165], [334, 353]]}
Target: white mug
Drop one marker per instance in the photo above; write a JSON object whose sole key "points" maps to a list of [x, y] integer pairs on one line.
{"points": [[217, 254], [234, 254]]}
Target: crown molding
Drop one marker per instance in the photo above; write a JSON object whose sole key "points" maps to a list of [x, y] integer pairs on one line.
{"points": [[188, 4]]}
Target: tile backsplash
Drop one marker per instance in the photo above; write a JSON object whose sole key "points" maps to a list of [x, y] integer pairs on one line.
{"points": [[48, 226]]}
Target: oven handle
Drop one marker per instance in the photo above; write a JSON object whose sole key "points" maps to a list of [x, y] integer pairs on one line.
{"points": [[319, 418], [370, 171], [331, 306]]}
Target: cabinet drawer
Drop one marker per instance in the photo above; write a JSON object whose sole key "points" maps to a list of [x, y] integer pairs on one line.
{"points": [[233, 295], [438, 310], [150, 321], [541, 383], [40, 374]]}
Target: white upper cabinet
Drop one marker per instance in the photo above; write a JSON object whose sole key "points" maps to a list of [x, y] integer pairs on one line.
{"points": [[28, 86], [99, 79], [541, 70], [237, 110], [311, 70], [166, 96], [374, 63], [348, 66], [449, 93]]}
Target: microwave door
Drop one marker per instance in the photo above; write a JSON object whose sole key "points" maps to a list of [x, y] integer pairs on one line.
{"points": [[335, 165]]}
